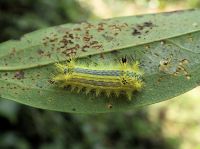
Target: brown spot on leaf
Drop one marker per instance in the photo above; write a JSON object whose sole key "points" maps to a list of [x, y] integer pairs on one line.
{"points": [[138, 29], [84, 47], [77, 29], [40, 52], [136, 32], [148, 24]]}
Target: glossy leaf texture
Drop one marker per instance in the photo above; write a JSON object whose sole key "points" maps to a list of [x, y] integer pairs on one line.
{"points": [[167, 45]]}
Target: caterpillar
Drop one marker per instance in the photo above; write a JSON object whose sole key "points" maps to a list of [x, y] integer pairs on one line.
{"points": [[121, 78]]}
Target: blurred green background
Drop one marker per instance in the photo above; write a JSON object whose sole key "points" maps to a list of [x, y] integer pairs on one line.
{"points": [[168, 125]]}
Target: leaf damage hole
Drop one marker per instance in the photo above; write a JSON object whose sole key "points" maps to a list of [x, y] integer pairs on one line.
{"points": [[175, 69]]}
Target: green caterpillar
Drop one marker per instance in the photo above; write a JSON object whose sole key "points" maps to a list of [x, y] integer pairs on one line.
{"points": [[122, 78]]}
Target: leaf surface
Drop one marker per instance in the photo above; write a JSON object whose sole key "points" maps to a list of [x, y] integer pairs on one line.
{"points": [[27, 65]]}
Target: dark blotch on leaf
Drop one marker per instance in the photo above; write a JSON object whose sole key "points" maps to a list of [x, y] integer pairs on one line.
{"points": [[19, 75], [51, 81], [148, 24], [40, 52], [136, 32]]}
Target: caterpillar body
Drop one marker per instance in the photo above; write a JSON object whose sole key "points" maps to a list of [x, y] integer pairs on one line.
{"points": [[121, 78]]}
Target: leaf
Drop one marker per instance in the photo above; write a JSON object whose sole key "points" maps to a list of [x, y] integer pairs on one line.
{"points": [[167, 45]]}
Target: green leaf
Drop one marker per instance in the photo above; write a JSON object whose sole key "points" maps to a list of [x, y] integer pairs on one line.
{"points": [[167, 45]]}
